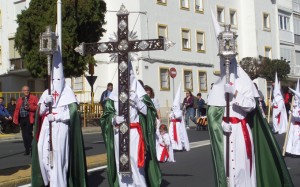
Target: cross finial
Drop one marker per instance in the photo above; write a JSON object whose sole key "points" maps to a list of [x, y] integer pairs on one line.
{"points": [[123, 10]]}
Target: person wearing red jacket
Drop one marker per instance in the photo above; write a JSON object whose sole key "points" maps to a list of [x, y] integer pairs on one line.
{"points": [[24, 116]]}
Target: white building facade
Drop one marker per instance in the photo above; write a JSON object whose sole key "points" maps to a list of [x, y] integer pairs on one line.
{"points": [[188, 23], [13, 74], [289, 34]]}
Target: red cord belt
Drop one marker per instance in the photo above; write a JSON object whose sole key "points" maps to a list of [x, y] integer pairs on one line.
{"points": [[175, 129], [246, 134], [141, 146]]}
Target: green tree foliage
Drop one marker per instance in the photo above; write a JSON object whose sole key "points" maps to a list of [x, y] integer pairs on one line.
{"points": [[82, 21], [251, 66], [265, 68], [269, 68]]}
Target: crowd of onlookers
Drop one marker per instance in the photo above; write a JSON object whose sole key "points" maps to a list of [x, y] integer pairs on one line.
{"points": [[19, 113]]}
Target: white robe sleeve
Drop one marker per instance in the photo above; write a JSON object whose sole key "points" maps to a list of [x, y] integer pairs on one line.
{"points": [[245, 101], [279, 104], [178, 114], [43, 109], [140, 105], [63, 115]]}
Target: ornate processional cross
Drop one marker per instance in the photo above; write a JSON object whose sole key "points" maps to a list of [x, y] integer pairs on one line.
{"points": [[122, 47]]}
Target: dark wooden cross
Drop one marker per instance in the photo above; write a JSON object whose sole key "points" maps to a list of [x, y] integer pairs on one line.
{"points": [[122, 47]]}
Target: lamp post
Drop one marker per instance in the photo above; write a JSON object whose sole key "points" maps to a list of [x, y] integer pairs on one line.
{"points": [[227, 51], [48, 45]]}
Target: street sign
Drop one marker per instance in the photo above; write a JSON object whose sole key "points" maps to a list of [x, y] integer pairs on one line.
{"points": [[91, 79], [172, 72]]}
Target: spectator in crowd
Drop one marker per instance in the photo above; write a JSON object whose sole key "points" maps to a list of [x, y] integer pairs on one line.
{"points": [[24, 116], [150, 93], [188, 104], [5, 117], [287, 99], [106, 94], [11, 106], [200, 105]]}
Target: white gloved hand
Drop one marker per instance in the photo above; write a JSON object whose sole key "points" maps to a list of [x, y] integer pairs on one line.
{"points": [[172, 115], [133, 99], [49, 99], [51, 117], [229, 88], [227, 127], [119, 119]]}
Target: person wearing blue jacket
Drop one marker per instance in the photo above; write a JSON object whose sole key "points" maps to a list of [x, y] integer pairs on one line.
{"points": [[5, 117]]}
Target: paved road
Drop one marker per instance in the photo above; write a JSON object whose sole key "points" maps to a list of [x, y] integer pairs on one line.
{"points": [[11, 154], [192, 168]]}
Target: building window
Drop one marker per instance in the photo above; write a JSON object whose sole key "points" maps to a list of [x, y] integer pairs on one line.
{"points": [[202, 81], [268, 52], [0, 19], [162, 31], [266, 21], [200, 41], [0, 55], [161, 2], [186, 39], [221, 14], [297, 58], [184, 4], [199, 6], [164, 78], [286, 54], [284, 22], [78, 84], [188, 79], [233, 17], [13, 53], [19, 6]]}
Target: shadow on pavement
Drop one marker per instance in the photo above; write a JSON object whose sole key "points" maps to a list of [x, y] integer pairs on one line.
{"points": [[88, 148], [10, 171], [164, 183], [11, 155], [176, 175], [96, 178], [19, 141]]}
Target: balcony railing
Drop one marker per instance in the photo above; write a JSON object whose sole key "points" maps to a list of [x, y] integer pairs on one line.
{"points": [[295, 70], [17, 64]]}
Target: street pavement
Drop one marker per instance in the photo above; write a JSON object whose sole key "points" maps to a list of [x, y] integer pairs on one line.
{"points": [[193, 168]]}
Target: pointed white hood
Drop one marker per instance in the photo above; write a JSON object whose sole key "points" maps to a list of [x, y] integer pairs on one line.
{"points": [[295, 92], [296, 99], [216, 96], [62, 93], [176, 102], [276, 87]]}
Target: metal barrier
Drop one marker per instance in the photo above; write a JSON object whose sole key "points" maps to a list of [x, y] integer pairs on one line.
{"points": [[8, 95], [90, 112]]}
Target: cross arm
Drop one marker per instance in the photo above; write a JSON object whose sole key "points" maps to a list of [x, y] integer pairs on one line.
{"points": [[96, 48], [147, 45]]}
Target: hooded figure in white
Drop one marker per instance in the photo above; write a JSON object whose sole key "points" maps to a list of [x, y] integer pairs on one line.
{"points": [[177, 130], [293, 144], [241, 93], [280, 120], [137, 178], [61, 96]]}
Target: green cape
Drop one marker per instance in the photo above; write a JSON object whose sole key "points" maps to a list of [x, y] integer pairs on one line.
{"points": [[77, 174], [271, 170], [152, 170]]}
